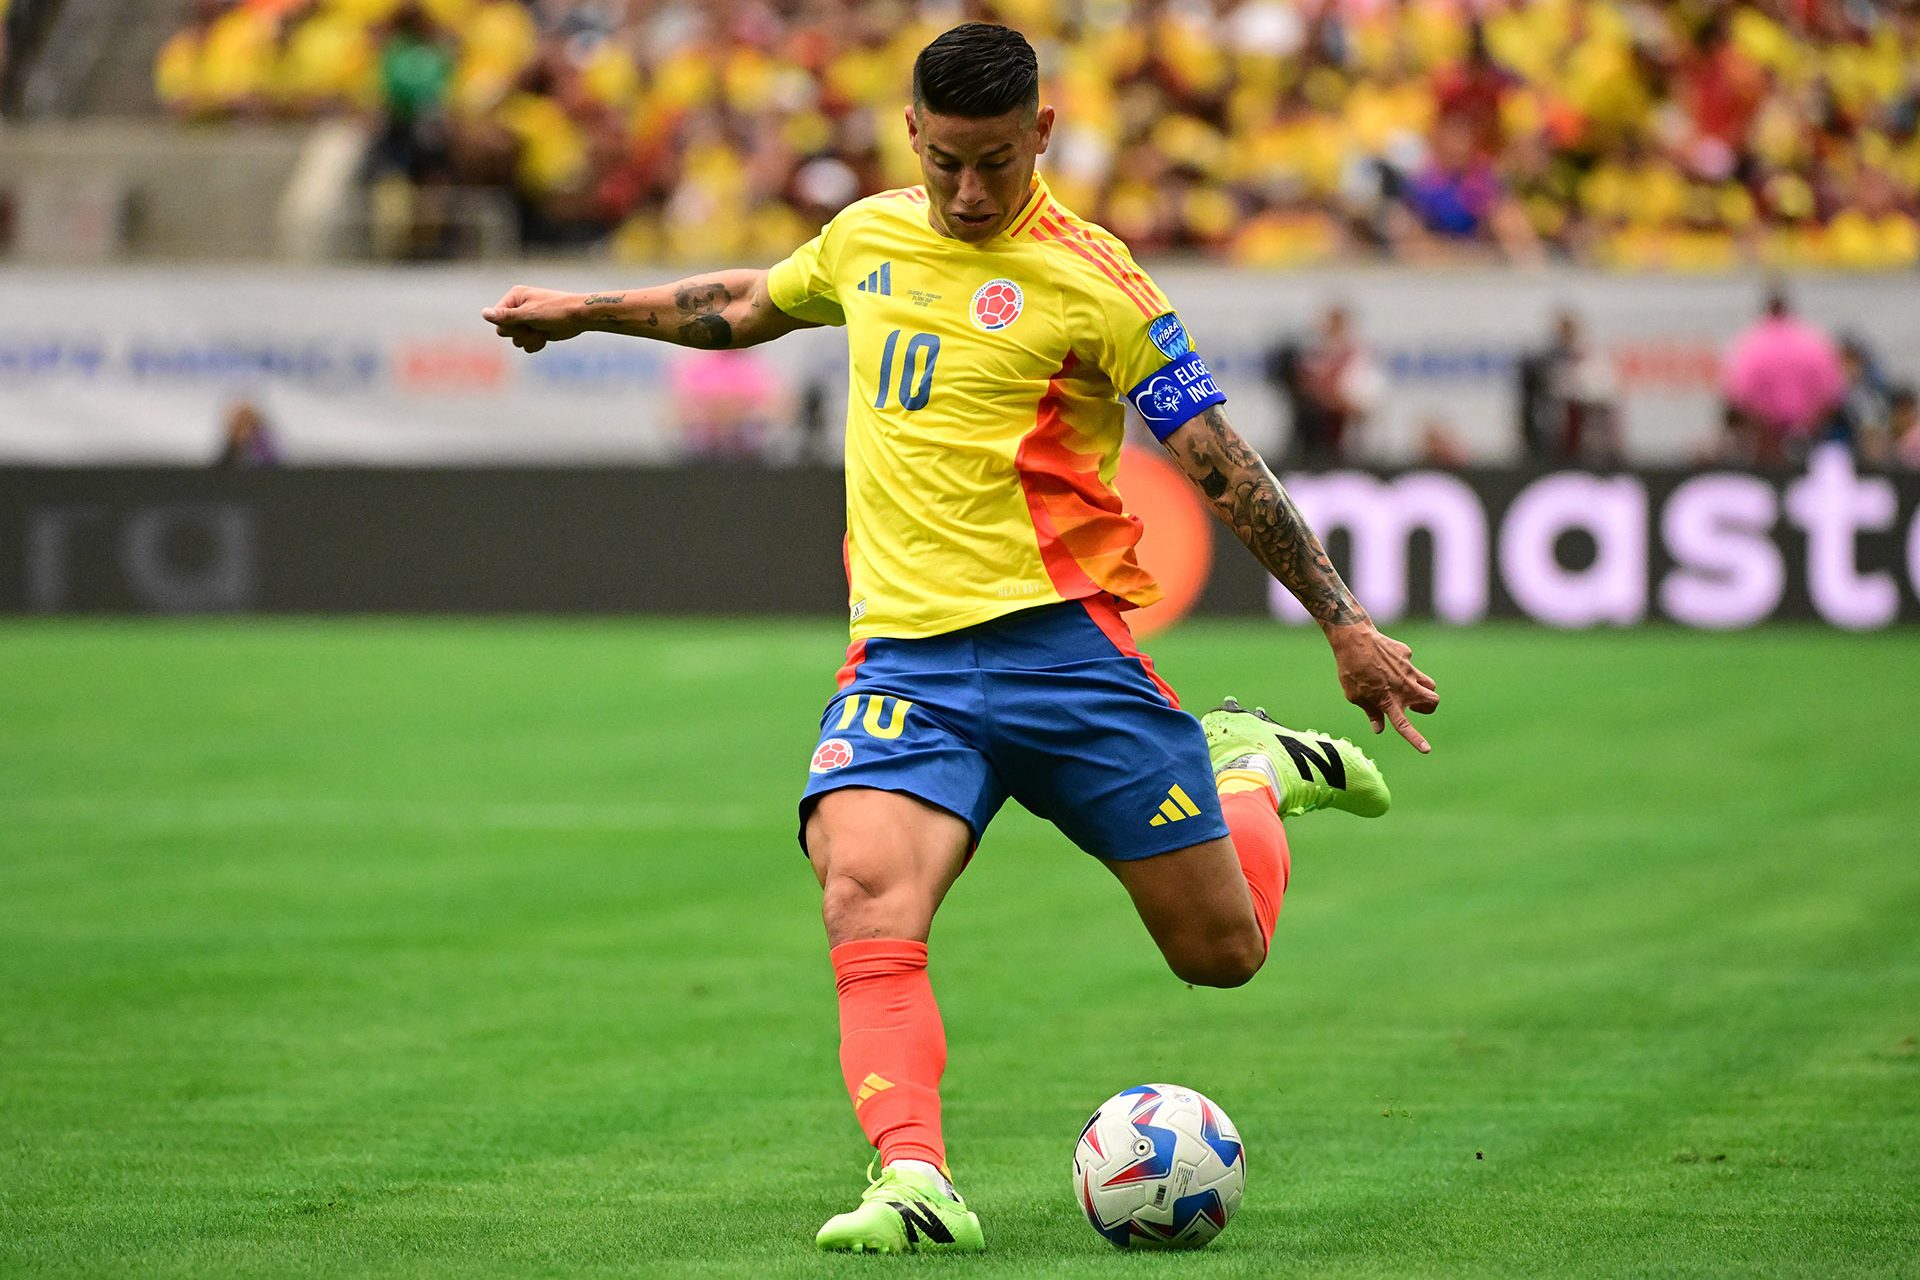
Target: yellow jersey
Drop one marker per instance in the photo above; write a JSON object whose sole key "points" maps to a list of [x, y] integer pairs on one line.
{"points": [[983, 413]]}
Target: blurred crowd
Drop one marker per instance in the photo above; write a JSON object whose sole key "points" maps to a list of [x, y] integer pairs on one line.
{"points": [[1696, 135], [20, 22], [1785, 385]]}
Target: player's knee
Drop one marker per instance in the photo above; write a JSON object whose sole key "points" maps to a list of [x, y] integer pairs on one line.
{"points": [[848, 896], [856, 905], [1230, 960]]}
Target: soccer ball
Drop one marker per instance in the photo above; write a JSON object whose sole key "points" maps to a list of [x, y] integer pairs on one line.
{"points": [[1159, 1166]]}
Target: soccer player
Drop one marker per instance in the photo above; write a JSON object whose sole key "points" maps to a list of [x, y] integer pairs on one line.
{"points": [[990, 564]]}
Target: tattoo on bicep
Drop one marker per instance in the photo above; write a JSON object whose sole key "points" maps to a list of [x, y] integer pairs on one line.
{"points": [[1262, 514]]}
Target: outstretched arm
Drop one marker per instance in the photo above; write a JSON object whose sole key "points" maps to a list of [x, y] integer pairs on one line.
{"points": [[722, 309], [1376, 671]]}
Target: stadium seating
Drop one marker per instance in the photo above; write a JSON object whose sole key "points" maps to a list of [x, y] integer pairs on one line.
{"points": [[1690, 136]]}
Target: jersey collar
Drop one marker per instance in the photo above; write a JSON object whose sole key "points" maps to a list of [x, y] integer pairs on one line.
{"points": [[1033, 209]]}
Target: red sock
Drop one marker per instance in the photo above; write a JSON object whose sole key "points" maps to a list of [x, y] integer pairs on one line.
{"points": [[1261, 841], [892, 1046]]}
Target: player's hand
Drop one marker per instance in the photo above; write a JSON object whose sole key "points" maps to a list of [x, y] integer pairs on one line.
{"points": [[1378, 676], [534, 317]]}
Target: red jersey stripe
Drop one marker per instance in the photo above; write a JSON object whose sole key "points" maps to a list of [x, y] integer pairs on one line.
{"points": [[1068, 578], [856, 654], [1040, 205], [1082, 244], [1159, 300], [1076, 243], [1106, 615], [1082, 530], [1132, 273]]}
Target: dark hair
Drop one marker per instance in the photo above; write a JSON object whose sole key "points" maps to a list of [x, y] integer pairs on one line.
{"points": [[977, 70]]}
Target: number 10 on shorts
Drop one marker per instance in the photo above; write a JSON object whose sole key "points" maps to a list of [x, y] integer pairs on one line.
{"points": [[886, 717]]}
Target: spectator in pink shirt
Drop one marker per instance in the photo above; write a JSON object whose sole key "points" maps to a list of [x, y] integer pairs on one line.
{"points": [[729, 404], [1784, 379]]}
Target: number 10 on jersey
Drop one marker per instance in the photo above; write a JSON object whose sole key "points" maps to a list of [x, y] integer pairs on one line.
{"points": [[916, 377]]}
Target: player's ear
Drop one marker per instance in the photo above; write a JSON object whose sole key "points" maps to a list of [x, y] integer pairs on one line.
{"points": [[913, 129], [1043, 130]]}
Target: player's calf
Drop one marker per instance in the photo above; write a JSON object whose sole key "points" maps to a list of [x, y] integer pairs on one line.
{"points": [[1195, 904], [1227, 961]]}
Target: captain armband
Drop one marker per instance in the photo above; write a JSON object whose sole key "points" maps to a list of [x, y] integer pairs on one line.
{"points": [[1181, 391]]}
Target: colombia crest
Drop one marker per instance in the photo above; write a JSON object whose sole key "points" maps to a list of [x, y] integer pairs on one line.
{"points": [[997, 303], [834, 753]]}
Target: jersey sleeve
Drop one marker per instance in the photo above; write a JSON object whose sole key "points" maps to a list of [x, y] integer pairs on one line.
{"points": [[802, 285], [1149, 357]]}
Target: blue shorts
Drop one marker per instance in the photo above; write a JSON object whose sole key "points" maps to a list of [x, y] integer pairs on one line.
{"points": [[1052, 706]]}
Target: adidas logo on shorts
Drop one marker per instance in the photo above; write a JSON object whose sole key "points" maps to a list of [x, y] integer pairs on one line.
{"points": [[1177, 807]]}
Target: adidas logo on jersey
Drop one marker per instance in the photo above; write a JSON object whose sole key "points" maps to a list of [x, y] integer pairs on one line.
{"points": [[1177, 807], [881, 281]]}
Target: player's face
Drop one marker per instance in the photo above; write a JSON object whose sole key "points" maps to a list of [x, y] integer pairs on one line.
{"points": [[977, 171]]}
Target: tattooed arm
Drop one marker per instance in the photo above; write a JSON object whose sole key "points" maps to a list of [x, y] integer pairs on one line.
{"points": [[1376, 671], [723, 309]]}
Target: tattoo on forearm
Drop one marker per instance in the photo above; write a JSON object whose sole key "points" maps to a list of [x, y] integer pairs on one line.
{"points": [[700, 297], [1251, 500], [696, 318], [634, 326], [707, 331], [701, 301]]}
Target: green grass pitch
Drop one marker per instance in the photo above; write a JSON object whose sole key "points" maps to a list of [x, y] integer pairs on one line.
{"points": [[466, 948]]}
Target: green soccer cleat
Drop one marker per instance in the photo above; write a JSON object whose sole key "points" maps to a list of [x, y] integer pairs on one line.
{"points": [[1310, 770], [904, 1212]]}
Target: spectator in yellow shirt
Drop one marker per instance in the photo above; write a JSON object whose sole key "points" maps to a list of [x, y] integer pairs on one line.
{"points": [[221, 64]]}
